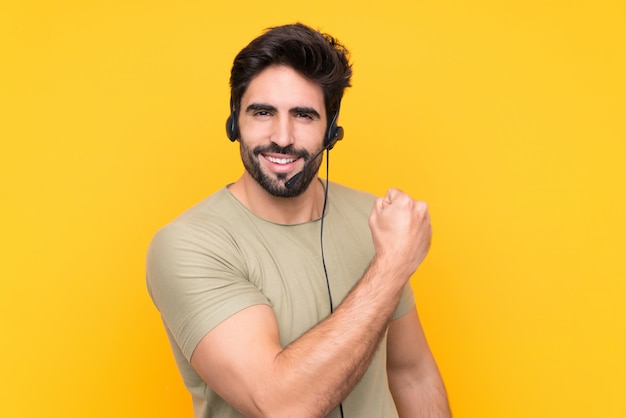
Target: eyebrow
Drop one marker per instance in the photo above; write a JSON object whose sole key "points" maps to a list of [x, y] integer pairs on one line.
{"points": [[254, 107], [260, 106]]}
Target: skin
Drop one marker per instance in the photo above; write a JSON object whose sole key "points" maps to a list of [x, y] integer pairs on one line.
{"points": [[303, 379]]}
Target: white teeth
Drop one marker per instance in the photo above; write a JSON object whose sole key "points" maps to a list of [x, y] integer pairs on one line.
{"points": [[280, 160]]}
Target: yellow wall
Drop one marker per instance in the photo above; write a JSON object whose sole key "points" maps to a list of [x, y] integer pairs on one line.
{"points": [[507, 116]]}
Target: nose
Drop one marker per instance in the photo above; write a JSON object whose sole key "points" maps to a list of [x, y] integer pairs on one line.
{"points": [[282, 134]]}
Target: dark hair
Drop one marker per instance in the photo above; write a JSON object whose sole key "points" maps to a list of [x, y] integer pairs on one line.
{"points": [[317, 56]]}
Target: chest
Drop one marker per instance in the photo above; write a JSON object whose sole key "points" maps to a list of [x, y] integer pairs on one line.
{"points": [[287, 266]]}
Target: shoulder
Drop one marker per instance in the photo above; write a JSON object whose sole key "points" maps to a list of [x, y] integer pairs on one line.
{"points": [[197, 257], [204, 234], [209, 219]]}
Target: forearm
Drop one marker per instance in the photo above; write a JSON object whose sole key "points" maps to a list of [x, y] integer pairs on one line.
{"points": [[423, 398], [414, 379], [325, 364], [321, 367]]}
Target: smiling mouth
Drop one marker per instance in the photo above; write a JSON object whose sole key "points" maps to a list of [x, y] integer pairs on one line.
{"points": [[276, 160]]}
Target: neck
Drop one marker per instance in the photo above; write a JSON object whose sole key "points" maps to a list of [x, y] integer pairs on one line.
{"points": [[282, 210]]}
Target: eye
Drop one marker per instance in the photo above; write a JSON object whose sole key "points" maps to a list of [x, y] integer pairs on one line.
{"points": [[304, 115], [262, 113]]}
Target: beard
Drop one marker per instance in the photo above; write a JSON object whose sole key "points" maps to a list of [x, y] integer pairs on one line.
{"points": [[274, 184]]}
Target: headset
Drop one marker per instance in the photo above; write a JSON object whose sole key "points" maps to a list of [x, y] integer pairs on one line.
{"points": [[232, 131], [333, 134]]}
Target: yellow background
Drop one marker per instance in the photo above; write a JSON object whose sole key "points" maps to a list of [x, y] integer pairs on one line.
{"points": [[508, 117]]}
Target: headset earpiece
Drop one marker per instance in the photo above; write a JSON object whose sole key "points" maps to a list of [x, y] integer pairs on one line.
{"points": [[232, 131], [334, 133]]}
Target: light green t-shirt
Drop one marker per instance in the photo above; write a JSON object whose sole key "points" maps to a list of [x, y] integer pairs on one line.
{"points": [[218, 258]]}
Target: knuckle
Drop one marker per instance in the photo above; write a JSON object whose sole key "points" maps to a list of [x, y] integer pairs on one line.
{"points": [[421, 206]]}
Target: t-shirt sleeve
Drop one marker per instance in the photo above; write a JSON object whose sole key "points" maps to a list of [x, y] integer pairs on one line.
{"points": [[407, 301], [197, 279]]}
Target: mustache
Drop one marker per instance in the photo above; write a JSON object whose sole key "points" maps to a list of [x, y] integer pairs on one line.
{"points": [[276, 149]]}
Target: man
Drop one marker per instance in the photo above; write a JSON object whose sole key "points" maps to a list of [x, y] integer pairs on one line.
{"points": [[283, 296]]}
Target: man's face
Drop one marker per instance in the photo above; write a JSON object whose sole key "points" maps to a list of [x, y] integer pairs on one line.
{"points": [[282, 122]]}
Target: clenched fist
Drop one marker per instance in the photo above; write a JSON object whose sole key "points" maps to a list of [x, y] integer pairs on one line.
{"points": [[401, 232]]}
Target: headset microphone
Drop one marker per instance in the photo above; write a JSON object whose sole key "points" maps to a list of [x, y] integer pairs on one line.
{"points": [[294, 179], [289, 183]]}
